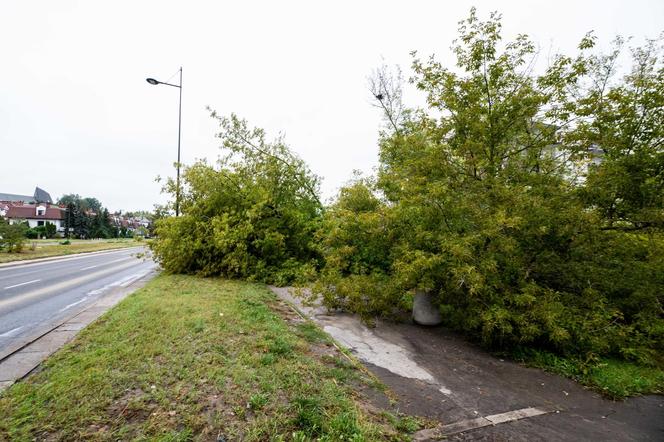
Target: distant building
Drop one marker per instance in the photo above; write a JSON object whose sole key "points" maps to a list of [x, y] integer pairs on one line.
{"points": [[36, 214], [40, 196], [37, 210]]}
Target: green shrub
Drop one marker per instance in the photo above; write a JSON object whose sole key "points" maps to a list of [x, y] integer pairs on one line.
{"points": [[12, 237]]}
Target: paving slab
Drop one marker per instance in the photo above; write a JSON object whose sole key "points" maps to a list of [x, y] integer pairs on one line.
{"points": [[72, 326], [88, 315], [19, 364], [50, 342]]}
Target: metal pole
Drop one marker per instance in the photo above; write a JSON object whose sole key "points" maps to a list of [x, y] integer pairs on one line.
{"points": [[177, 190]]}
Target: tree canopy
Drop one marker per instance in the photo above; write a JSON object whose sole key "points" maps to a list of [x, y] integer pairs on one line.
{"points": [[252, 216], [509, 198]]}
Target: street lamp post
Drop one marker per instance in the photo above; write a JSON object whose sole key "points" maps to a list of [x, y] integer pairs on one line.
{"points": [[154, 82]]}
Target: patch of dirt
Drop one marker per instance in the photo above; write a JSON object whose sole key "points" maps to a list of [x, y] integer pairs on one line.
{"points": [[131, 407]]}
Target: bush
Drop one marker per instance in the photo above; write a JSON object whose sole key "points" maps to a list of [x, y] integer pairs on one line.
{"points": [[12, 237]]}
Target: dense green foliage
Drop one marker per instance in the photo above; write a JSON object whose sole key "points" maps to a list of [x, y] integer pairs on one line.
{"points": [[251, 217], [12, 236], [87, 218], [530, 205], [48, 230], [487, 200]]}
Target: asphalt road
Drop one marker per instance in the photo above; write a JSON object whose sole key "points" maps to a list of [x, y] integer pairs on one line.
{"points": [[32, 295]]}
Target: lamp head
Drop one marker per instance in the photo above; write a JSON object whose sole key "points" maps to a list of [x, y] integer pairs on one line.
{"points": [[152, 81]]}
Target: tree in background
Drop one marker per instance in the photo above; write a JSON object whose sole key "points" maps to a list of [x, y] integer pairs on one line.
{"points": [[87, 218], [101, 225], [622, 119], [77, 222], [92, 204], [12, 236], [70, 198]]}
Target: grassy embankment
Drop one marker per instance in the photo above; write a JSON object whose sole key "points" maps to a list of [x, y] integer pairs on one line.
{"points": [[42, 249], [187, 358]]}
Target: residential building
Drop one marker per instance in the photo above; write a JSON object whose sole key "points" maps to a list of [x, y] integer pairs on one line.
{"points": [[36, 209], [39, 196], [36, 214]]}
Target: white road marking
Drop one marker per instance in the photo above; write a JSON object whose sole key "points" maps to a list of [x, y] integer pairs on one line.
{"points": [[104, 288], [57, 287], [133, 279], [23, 283], [20, 274], [73, 304], [89, 267], [118, 260], [11, 332], [124, 282]]}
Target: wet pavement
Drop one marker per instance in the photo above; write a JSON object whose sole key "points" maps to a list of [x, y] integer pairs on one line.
{"points": [[473, 395]]}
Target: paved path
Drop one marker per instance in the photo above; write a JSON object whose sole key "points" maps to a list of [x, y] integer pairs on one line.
{"points": [[475, 396], [44, 304]]}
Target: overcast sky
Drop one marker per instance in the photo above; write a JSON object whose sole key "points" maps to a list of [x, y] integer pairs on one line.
{"points": [[76, 115]]}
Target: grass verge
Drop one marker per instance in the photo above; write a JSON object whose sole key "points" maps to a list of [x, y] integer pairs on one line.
{"points": [[50, 249], [187, 358], [615, 379]]}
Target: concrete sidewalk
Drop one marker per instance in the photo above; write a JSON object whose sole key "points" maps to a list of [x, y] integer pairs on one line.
{"points": [[438, 375], [18, 362]]}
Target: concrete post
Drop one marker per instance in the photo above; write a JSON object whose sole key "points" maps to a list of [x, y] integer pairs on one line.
{"points": [[425, 312]]}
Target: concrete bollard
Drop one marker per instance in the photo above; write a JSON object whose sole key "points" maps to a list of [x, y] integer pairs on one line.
{"points": [[425, 312]]}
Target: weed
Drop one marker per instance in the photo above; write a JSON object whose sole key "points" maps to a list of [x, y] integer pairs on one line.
{"points": [[279, 346], [198, 325], [408, 424], [309, 415], [258, 401], [314, 335]]}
